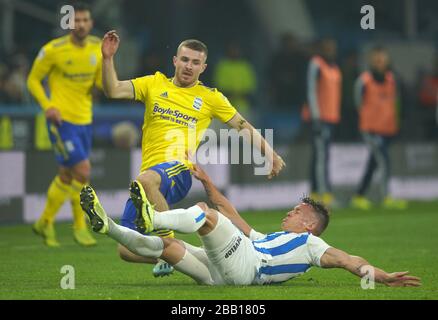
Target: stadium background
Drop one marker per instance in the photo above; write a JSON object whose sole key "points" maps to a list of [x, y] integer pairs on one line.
{"points": [[151, 31]]}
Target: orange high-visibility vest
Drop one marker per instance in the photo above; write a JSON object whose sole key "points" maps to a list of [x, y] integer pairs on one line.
{"points": [[377, 113], [328, 92]]}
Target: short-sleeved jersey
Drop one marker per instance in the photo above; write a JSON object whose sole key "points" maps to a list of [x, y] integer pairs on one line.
{"points": [[286, 255], [176, 118], [72, 72]]}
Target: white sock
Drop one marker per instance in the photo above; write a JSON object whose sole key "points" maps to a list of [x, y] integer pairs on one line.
{"points": [[198, 252], [145, 246], [194, 268], [181, 220]]}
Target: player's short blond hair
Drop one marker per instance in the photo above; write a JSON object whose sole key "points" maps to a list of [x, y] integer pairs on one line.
{"points": [[194, 45]]}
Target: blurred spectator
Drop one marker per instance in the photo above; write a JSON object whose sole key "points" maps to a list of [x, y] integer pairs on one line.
{"points": [[376, 99], [125, 135], [324, 85], [236, 78], [14, 83], [428, 98], [151, 62], [287, 72], [3, 75], [429, 87], [287, 88], [350, 72]]}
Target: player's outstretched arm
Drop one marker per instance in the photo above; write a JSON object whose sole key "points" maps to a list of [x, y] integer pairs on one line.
{"points": [[40, 69], [222, 204], [251, 134], [335, 258], [112, 86]]}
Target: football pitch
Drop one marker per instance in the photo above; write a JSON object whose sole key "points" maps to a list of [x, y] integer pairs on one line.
{"points": [[392, 240]]}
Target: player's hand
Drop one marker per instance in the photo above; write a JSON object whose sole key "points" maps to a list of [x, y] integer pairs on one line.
{"points": [[199, 173], [277, 165], [110, 44], [401, 279], [54, 116]]}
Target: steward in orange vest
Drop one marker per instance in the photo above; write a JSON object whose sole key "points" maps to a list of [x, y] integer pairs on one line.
{"points": [[376, 99], [377, 108], [324, 86]]}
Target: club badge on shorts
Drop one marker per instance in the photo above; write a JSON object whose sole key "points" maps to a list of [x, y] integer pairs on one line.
{"points": [[93, 60], [197, 103]]}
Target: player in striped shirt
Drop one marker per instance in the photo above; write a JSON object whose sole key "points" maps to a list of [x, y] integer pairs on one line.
{"points": [[233, 253]]}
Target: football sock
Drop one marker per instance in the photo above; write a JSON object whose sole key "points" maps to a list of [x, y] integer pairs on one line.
{"points": [[182, 220], [145, 246], [165, 233], [194, 268], [78, 214], [198, 252], [57, 193]]}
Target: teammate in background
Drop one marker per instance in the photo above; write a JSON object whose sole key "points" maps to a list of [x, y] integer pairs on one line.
{"points": [[324, 82], [376, 100], [233, 252], [236, 77], [176, 108], [72, 64]]}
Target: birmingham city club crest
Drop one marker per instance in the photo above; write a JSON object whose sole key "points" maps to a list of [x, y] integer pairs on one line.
{"points": [[197, 103], [93, 60]]}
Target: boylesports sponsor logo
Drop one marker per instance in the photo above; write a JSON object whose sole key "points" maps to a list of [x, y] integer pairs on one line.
{"points": [[233, 248], [174, 113], [78, 76]]}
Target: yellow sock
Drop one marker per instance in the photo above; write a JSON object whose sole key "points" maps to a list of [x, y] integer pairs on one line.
{"points": [[78, 214], [57, 193], [165, 233]]}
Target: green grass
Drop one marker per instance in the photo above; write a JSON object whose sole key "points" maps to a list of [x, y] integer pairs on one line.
{"points": [[394, 241]]}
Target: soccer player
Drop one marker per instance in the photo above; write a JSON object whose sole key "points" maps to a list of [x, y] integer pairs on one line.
{"points": [[376, 99], [233, 253], [178, 110], [324, 81], [72, 64]]}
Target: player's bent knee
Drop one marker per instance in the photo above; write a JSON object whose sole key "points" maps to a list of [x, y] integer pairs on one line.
{"points": [[211, 219], [65, 175], [82, 171], [203, 206], [173, 251], [149, 180], [211, 215]]}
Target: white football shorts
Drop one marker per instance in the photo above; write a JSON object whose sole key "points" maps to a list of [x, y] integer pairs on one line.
{"points": [[232, 257]]}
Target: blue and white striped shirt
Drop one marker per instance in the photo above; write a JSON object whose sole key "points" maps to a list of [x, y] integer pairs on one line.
{"points": [[286, 255]]}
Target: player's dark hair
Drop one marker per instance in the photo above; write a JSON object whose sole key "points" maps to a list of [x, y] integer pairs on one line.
{"points": [[321, 213], [81, 6], [194, 45]]}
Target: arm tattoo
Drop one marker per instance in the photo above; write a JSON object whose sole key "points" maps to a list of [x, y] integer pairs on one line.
{"points": [[241, 124], [210, 197]]}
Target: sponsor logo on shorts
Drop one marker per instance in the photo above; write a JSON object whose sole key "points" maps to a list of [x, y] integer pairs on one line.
{"points": [[233, 248]]}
